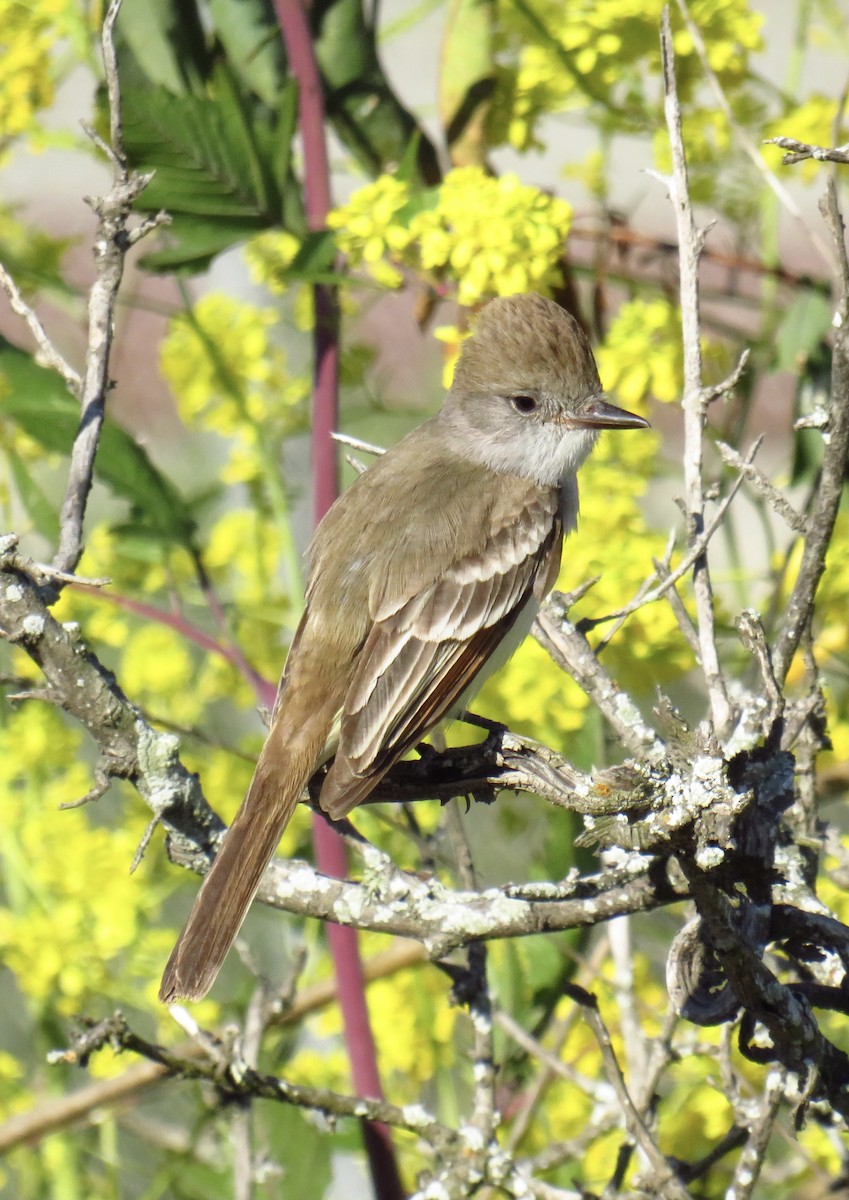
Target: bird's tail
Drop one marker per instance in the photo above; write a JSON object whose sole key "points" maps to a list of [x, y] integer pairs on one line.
{"points": [[284, 767]]}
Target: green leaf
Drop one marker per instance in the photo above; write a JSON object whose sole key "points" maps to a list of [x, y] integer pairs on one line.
{"points": [[366, 114], [307, 1173], [316, 257], [293, 216], [37, 402], [192, 243], [803, 326], [204, 153], [166, 39], [407, 167], [39, 509], [467, 78], [216, 162], [251, 40]]}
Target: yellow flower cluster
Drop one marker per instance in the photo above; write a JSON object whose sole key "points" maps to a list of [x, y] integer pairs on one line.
{"points": [[29, 33], [222, 365], [268, 255], [491, 236], [642, 354], [70, 911], [594, 48], [371, 230], [495, 236], [245, 552], [226, 371]]}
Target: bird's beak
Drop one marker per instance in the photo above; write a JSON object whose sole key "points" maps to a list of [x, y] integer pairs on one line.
{"points": [[597, 413]]}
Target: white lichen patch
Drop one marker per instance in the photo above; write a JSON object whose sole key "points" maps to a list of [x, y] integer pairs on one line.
{"points": [[494, 908], [627, 709], [416, 1116], [33, 626], [157, 755], [301, 880], [704, 787], [14, 593], [472, 1137], [709, 857], [436, 1191]]}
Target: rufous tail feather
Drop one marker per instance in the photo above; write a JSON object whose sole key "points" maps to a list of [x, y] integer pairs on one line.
{"points": [[283, 769]]}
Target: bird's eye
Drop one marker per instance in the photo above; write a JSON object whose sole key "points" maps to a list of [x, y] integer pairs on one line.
{"points": [[523, 404]]}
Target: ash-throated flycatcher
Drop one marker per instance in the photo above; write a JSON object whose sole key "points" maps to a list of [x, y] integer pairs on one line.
{"points": [[417, 574]]}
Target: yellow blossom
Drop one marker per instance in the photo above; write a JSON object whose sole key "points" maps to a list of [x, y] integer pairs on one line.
{"points": [[30, 31], [488, 236], [268, 255], [568, 54], [476, 219], [369, 231], [222, 365]]}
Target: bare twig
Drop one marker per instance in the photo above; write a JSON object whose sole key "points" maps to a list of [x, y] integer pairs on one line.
{"points": [[48, 1116], [235, 1079], [549, 1070], [751, 1161], [476, 993], [111, 243], [799, 151], [664, 1182], [762, 486], [695, 401], [48, 355], [696, 551], [635, 1048], [685, 621], [823, 513], [754, 639], [568, 647], [347, 439]]}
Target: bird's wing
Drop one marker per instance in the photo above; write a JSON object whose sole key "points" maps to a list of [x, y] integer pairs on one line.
{"points": [[424, 650]]}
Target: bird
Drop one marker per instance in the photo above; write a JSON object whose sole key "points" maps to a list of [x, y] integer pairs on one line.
{"points": [[422, 578]]}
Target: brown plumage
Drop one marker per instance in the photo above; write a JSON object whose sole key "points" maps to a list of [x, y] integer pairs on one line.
{"points": [[416, 575]]}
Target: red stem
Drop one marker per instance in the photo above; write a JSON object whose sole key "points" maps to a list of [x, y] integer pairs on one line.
{"points": [[264, 689], [329, 847]]}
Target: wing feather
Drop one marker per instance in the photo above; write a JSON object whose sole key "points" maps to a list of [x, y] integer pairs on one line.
{"points": [[422, 654]]}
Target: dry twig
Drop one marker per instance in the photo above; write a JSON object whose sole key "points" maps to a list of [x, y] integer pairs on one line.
{"points": [[690, 241], [112, 240]]}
